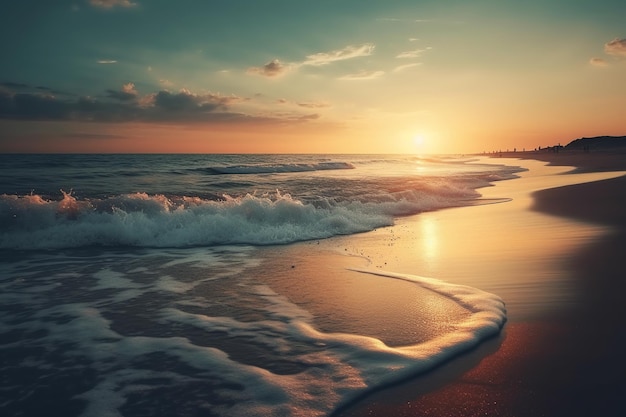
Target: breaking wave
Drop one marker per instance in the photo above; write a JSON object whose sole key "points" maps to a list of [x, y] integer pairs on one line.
{"points": [[143, 220]]}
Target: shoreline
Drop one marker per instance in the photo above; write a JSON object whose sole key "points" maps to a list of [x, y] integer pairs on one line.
{"points": [[563, 361]]}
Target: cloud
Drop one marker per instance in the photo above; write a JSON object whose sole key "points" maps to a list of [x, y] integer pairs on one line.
{"points": [[120, 95], [106, 61], [127, 93], [314, 104], [109, 4], [305, 117], [31, 106], [185, 105], [12, 87], [598, 62], [276, 68], [305, 104], [126, 105], [185, 100], [349, 52], [616, 47], [129, 88], [412, 54], [406, 66], [363, 75], [273, 68]]}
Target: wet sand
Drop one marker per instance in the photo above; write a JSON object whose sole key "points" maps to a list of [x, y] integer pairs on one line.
{"points": [[555, 254], [342, 300]]}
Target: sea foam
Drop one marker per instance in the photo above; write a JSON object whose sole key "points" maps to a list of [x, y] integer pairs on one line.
{"points": [[205, 200], [143, 220], [133, 346]]}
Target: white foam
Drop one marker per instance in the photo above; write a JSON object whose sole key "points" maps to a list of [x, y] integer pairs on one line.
{"points": [[330, 369], [355, 363], [142, 220]]}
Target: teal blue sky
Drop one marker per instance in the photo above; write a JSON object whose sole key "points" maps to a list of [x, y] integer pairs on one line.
{"points": [[309, 76]]}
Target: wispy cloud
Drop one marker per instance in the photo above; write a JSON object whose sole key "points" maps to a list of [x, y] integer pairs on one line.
{"points": [[276, 68], [416, 53], [11, 87], [401, 68], [108, 4], [106, 61], [314, 104], [305, 117], [616, 47], [349, 52], [363, 75], [598, 62]]}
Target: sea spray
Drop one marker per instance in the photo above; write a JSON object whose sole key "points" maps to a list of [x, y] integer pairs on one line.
{"points": [[142, 220]]}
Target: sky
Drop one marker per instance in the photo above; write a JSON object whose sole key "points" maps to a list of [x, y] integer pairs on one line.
{"points": [[324, 76]]}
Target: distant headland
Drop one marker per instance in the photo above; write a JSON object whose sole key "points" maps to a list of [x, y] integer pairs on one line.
{"points": [[597, 143], [599, 153]]}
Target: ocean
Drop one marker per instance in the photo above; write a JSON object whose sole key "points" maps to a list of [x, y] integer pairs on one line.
{"points": [[154, 285]]}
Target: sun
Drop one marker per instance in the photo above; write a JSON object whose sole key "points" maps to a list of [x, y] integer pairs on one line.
{"points": [[419, 141]]}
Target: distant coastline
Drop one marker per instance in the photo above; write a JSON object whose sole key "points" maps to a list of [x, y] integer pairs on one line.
{"points": [[584, 144], [597, 143], [599, 153]]}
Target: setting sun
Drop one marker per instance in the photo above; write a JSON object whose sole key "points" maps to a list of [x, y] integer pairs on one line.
{"points": [[419, 141]]}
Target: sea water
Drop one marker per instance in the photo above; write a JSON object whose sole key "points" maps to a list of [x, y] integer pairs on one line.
{"points": [[136, 285]]}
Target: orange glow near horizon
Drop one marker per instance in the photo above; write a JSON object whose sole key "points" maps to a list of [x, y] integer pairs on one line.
{"points": [[374, 137]]}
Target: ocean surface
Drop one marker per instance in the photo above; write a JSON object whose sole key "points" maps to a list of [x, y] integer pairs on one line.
{"points": [[138, 285]]}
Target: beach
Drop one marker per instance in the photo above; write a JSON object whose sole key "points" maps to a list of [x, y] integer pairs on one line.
{"points": [[554, 253], [366, 285]]}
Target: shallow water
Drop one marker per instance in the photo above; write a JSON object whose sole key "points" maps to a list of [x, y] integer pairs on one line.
{"points": [[102, 332], [72, 201], [155, 287]]}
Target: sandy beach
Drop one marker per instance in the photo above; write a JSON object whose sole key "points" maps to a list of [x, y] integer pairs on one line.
{"points": [[339, 326], [554, 254]]}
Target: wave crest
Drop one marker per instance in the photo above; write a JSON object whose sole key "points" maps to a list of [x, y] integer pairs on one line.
{"points": [[143, 220]]}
